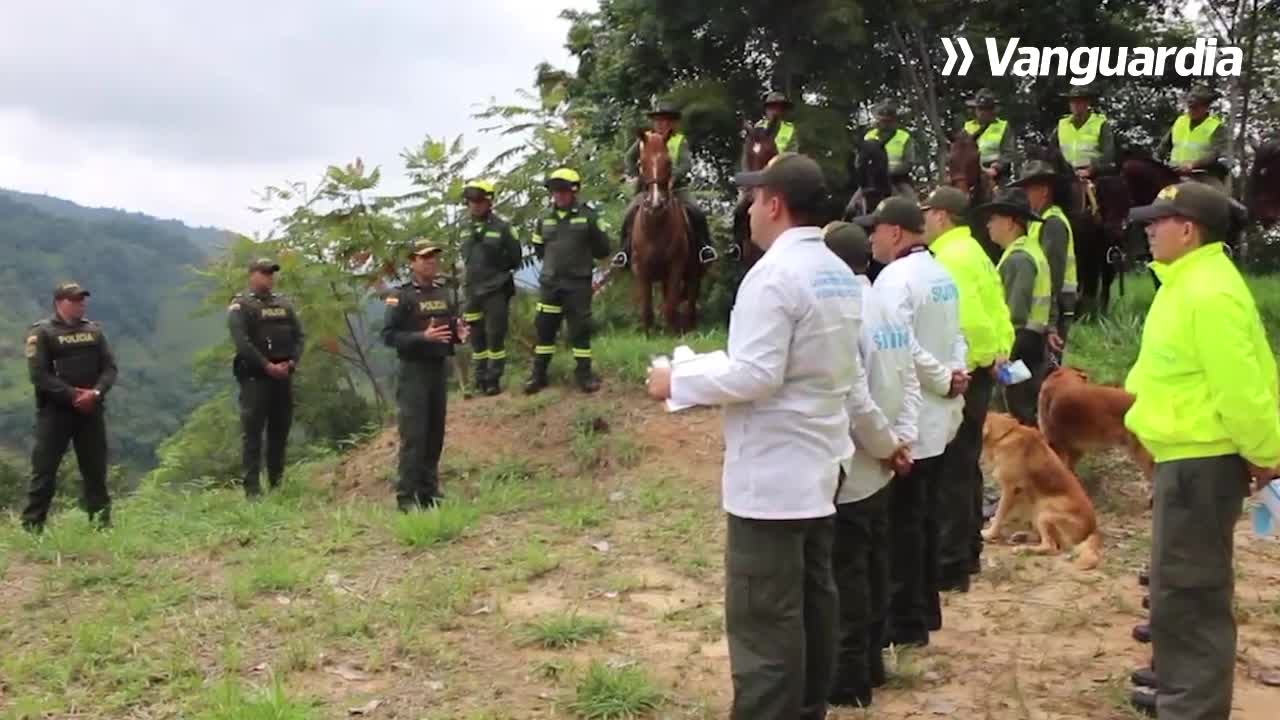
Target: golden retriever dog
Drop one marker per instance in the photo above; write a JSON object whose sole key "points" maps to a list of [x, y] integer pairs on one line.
{"points": [[1033, 478], [1077, 416]]}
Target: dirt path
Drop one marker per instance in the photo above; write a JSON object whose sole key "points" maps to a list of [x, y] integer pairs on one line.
{"points": [[1035, 638]]}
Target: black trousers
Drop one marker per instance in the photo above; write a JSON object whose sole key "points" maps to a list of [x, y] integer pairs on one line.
{"points": [[56, 428], [780, 615], [1193, 630], [266, 404], [914, 600], [573, 306], [861, 558], [488, 317], [1023, 399], [422, 397], [956, 499]]}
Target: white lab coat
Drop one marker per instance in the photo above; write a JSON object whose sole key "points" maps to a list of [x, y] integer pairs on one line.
{"points": [[793, 367], [888, 354], [925, 297]]}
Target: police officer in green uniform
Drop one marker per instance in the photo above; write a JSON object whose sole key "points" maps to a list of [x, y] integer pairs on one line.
{"points": [[269, 340], [1206, 408], [898, 144], [1024, 272], [492, 255], [1084, 137], [782, 130], [568, 239], [421, 323], [72, 369], [997, 142], [1198, 141], [1057, 240], [665, 118]]}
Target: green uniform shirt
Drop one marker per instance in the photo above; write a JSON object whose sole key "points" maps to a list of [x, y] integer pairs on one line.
{"points": [[491, 254], [63, 356], [568, 242], [1205, 378], [265, 329], [410, 310]]}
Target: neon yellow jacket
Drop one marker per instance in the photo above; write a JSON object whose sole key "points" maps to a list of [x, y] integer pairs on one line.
{"points": [[1205, 379], [984, 316]]}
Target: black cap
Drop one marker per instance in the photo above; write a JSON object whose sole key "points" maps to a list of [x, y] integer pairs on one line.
{"points": [[1194, 201], [264, 265], [69, 290], [948, 198], [850, 243], [1009, 202], [797, 177], [894, 210]]}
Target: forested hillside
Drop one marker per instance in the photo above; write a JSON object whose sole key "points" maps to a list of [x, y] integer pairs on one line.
{"points": [[140, 271]]}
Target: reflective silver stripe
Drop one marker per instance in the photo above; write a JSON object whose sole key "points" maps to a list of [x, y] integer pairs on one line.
{"points": [[1034, 326], [1069, 288]]}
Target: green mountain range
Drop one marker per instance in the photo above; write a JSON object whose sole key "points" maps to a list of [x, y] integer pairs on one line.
{"points": [[140, 271]]}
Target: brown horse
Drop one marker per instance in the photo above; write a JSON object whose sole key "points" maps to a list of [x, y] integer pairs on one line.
{"points": [[660, 242], [964, 172], [758, 149], [1263, 196]]}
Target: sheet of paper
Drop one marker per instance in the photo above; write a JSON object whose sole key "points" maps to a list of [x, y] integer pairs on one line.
{"points": [[696, 365]]}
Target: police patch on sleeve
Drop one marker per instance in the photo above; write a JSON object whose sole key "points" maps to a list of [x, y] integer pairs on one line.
{"points": [[31, 346]]}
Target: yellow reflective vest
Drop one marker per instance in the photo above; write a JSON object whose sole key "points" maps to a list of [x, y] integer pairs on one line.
{"points": [[984, 316], [896, 146], [990, 139], [1081, 145], [1205, 378], [786, 131], [1191, 145], [1070, 280], [1041, 291]]}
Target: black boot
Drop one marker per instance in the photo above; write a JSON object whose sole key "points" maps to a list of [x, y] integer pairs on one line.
{"points": [[481, 379], [587, 381], [1144, 677], [1144, 701], [538, 378], [494, 386]]}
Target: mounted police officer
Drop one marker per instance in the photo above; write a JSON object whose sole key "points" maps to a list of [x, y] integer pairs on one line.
{"points": [[1057, 240], [666, 117], [1085, 137], [997, 142], [1197, 144], [421, 323], [72, 369], [492, 255], [568, 239], [1024, 272], [783, 131], [268, 340], [898, 144]]}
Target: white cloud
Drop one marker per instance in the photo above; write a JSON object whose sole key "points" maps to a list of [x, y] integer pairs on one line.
{"points": [[184, 109]]}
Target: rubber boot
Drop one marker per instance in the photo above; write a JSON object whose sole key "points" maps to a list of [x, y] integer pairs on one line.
{"points": [[481, 380], [494, 386], [587, 381], [538, 378]]}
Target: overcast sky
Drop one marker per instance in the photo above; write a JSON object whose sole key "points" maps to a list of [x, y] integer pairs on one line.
{"points": [[183, 109]]}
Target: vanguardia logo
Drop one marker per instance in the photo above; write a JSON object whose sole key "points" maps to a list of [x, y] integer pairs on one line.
{"points": [[1085, 64]]}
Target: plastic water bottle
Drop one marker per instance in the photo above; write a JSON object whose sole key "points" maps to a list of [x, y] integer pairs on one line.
{"points": [[1266, 511], [1013, 373]]}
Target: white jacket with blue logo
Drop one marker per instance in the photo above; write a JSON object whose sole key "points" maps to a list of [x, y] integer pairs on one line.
{"points": [[887, 351], [794, 377], [921, 292]]}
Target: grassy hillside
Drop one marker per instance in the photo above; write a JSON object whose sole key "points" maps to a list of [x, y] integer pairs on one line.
{"points": [[139, 270]]}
